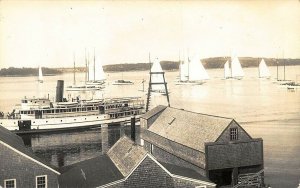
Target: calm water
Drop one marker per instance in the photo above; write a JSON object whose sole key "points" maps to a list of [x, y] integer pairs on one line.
{"points": [[263, 108]]}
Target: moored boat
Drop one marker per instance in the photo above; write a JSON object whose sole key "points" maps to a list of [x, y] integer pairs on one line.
{"points": [[84, 88], [263, 70], [42, 115], [235, 71], [192, 72], [122, 82], [40, 77]]}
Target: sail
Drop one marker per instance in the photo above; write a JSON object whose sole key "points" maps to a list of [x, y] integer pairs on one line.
{"points": [[197, 71], [157, 78], [202, 72], [226, 70], [99, 73], [263, 70], [91, 72], [236, 68], [40, 79], [96, 72], [184, 71]]}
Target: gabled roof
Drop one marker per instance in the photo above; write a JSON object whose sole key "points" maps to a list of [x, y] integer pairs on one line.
{"points": [[184, 172], [90, 173], [116, 166], [16, 143], [126, 155], [153, 111], [189, 128]]}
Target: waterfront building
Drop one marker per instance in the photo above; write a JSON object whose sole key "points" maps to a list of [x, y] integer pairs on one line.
{"points": [[216, 147], [19, 167], [127, 164]]}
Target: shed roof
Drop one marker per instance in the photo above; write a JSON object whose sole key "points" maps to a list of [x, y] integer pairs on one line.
{"points": [[189, 128], [90, 173], [184, 172], [153, 111], [16, 142], [126, 155]]}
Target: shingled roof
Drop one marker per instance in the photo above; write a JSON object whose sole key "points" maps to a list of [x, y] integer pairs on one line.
{"points": [[16, 143], [90, 173], [126, 155], [153, 111], [184, 172], [189, 128]]}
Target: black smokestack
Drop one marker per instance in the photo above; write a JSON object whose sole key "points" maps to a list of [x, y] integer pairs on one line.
{"points": [[133, 128], [59, 90]]}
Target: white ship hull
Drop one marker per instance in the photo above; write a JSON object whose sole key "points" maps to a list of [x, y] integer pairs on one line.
{"points": [[117, 83], [55, 124], [189, 83]]}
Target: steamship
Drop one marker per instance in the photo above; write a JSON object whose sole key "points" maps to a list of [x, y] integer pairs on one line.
{"points": [[42, 115]]}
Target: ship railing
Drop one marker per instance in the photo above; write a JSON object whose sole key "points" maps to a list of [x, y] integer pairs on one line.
{"points": [[67, 114]]}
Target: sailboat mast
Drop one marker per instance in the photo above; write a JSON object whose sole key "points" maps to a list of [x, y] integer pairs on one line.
{"points": [[179, 67], [74, 81], [88, 62], [149, 62], [85, 66], [277, 68], [283, 69], [188, 67], [94, 65], [231, 66], [258, 67]]}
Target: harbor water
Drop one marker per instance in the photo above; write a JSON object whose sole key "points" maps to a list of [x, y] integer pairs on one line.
{"points": [[264, 109]]}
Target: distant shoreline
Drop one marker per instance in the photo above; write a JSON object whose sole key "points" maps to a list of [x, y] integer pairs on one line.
{"points": [[169, 66]]}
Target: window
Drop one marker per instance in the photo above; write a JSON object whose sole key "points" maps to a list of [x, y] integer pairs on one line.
{"points": [[233, 134], [41, 181], [11, 183], [151, 148]]}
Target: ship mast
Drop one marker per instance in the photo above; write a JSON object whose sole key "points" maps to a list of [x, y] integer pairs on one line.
{"points": [[74, 81], [86, 68], [94, 65]]}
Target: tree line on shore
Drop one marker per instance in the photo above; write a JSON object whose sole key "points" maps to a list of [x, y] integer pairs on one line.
{"points": [[208, 63], [12, 71]]}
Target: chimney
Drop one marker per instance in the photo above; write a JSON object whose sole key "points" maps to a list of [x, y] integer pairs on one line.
{"points": [[59, 90], [132, 120]]}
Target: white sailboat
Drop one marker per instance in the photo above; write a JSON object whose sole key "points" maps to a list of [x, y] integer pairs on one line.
{"points": [[226, 70], [157, 78], [192, 72], [263, 70], [236, 71], [96, 75], [84, 87], [40, 78], [184, 71]]}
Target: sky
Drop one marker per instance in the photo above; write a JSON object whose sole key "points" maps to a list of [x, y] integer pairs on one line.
{"points": [[54, 33]]}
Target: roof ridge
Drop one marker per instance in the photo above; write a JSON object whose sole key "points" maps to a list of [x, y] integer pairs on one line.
{"points": [[202, 113]]}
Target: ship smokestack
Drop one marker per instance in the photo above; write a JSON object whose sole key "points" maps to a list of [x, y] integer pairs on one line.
{"points": [[132, 120], [59, 90]]}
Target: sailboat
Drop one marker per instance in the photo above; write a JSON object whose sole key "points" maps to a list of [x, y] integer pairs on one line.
{"points": [[226, 70], [192, 72], [263, 70], [84, 87], [40, 78], [96, 75], [157, 79], [236, 71]]}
